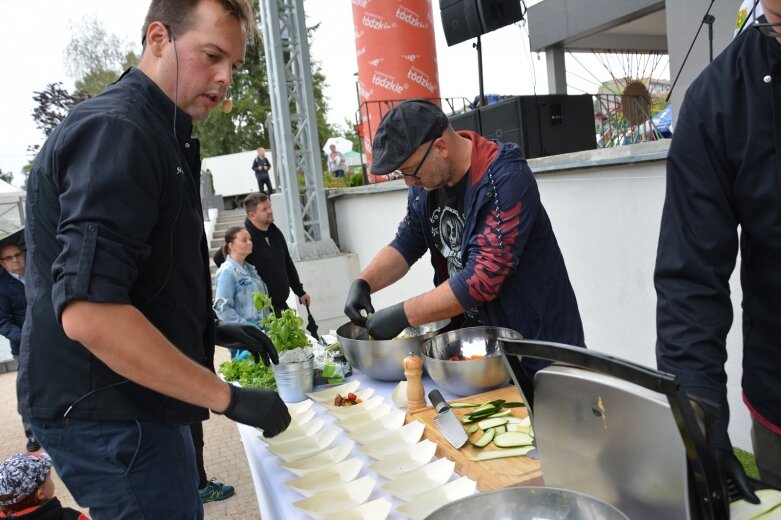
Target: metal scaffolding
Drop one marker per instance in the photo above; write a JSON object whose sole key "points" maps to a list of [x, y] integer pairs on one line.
{"points": [[296, 146]]}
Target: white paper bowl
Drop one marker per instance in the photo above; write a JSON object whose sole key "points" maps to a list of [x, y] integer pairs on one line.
{"points": [[375, 510], [363, 394], [432, 500], [326, 478], [352, 423], [356, 409], [378, 428], [398, 442], [321, 460], [399, 396], [416, 457], [295, 433], [323, 396], [306, 447], [337, 500], [301, 418], [424, 479], [299, 408]]}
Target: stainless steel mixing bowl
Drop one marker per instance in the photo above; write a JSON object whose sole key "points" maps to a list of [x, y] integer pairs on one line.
{"points": [[382, 359], [541, 503], [468, 376]]}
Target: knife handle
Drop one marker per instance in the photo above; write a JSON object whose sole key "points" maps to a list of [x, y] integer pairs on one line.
{"points": [[437, 401], [413, 371]]}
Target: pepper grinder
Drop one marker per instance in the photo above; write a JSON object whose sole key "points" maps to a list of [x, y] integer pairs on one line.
{"points": [[413, 371]]}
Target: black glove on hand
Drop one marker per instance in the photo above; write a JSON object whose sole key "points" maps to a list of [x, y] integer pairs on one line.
{"points": [[247, 337], [263, 409], [387, 323], [731, 472], [359, 299]]}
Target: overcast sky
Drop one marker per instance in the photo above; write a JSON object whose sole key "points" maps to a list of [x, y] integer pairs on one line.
{"points": [[34, 34]]}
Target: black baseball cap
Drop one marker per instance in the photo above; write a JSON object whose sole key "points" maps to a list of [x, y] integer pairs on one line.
{"points": [[403, 129]]}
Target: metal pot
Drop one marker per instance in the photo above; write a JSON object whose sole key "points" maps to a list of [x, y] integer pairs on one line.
{"points": [[382, 359], [540, 503]]}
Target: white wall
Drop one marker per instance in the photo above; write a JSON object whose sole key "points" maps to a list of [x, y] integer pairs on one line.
{"points": [[607, 221]]}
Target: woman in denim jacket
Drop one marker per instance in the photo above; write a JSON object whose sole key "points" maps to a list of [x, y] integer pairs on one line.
{"points": [[236, 281]]}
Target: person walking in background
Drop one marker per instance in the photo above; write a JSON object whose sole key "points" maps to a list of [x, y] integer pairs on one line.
{"points": [[261, 166], [722, 199], [270, 254], [27, 490], [236, 281], [13, 305], [118, 342], [336, 162]]}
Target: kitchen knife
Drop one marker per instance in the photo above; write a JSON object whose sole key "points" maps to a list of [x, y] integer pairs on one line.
{"points": [[446, 420]]}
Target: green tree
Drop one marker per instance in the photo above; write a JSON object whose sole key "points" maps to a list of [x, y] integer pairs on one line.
{"points": [[7, 177], [95, 57]]}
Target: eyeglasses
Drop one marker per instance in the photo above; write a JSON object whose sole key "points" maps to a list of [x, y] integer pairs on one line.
{"points": [[767, 29], [414, 174], [15, 256]]}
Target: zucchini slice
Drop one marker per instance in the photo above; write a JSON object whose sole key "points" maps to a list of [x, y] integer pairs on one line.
{"points": [[499, 454], [483, 441], [512, 440], [463, 405], [503, 413], [472, 429], [492, 423]]}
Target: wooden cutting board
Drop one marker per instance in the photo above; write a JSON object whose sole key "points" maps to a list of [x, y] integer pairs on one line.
{"points": [[489, 474]]}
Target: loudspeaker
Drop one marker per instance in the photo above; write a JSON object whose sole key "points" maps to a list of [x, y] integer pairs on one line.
{"points": [[460, 20], [467, 121], [542, 125], [504, 122], [498, 13]]}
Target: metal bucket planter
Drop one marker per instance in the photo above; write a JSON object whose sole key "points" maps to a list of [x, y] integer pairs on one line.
{"points": [[294, 380]]}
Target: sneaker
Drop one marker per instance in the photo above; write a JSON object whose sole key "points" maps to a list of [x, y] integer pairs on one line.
{"points": [[216, 491], [33, 445]]}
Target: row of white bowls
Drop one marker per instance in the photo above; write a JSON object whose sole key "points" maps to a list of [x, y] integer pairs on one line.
{"points": [[327, 478]]}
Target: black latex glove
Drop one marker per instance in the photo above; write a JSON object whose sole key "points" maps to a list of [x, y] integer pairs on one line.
{"points": [[359, 299], [387, 323], [263, 409], [733, 475], [247, 337]]}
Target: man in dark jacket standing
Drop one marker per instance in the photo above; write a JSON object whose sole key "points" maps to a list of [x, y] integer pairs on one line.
{"points": [[262, 168], [13, 305], [474, 205], [723, 173], [270, 254]]}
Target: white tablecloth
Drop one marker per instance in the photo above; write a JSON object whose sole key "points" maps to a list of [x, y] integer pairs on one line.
{"points": [[275, 500]]}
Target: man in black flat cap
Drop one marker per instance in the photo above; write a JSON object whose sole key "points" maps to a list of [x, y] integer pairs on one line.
{"points": [[473, 204]]}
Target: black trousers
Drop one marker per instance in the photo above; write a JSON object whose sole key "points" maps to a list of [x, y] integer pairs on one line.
{"points": [[196, 430], [264, 183]]}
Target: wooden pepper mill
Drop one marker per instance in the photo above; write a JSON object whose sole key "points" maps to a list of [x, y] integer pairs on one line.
{"points": [[413, 371]]}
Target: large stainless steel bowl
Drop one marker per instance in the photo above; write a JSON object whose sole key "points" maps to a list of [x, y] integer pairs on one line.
{"points": [[382, 359], [468, 376], [541, 503]]}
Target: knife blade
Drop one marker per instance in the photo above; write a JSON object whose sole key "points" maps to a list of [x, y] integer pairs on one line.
{"points": [[446, 421]]}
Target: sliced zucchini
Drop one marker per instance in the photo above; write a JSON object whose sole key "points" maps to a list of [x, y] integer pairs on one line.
{"points": [[526, 421], [514, 420], [513, 405], [512, 440], [500, 429], [511, 427], [503, 413], [499, 454], [481, 415], [472, 429], [492, 423], [463, 405], [483, 441]]}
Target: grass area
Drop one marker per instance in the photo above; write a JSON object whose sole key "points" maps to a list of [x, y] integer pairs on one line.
{"points": [[747, 461]]}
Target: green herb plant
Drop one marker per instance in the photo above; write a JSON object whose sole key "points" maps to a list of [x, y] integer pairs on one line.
{"points": [[286, 331], [248, 373]]}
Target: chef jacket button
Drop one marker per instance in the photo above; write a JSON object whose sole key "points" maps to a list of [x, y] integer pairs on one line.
{"points": [[90, 228], [187, 145], [767, 79], [490, 194]]}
